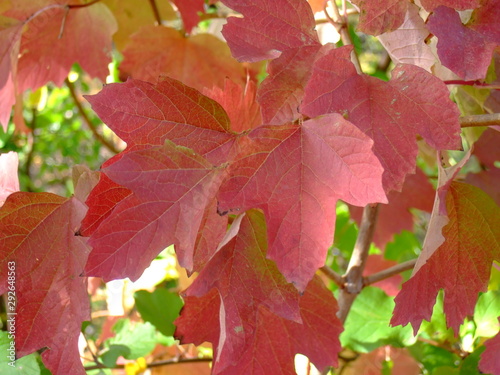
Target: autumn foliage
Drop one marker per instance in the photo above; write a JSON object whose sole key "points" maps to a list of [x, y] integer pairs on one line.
{"points": [[243, 174]]}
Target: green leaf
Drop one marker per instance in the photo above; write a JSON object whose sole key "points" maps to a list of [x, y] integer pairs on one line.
{"points": [[433, 358], [470, 363], [367, 325], [27, 365], [486, 314], [160, 308], [436, 329], [404, 247], [132, 340]]}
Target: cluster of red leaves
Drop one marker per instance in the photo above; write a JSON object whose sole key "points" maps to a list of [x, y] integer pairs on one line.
{"points": [[278, 156]]}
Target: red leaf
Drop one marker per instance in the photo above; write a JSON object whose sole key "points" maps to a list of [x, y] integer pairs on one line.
{"points": [[268, 28], [189, 10], [378, 17], [198, 61], [239, 104], [391, 113], [490, 362], [145, 115], [47, 54], [172, 186], [257, 318], [10, 40], [281, 93], [282, 172], [376, 263], [487, 151], [101, 202], [467, 51], [430, 5], [37, 232], [461, 265], [9, 182], [395, 217]]}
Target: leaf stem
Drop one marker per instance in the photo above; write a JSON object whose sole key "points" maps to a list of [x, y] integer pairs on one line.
{"points": [[155, 11], [391, 271], [111, 147], [480, 120], [354, 274], [166, 362], [480, 84], [334, 276]]}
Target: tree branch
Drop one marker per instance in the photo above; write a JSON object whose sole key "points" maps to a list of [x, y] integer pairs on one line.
{"points": [[155, 11], [478, 84], [354, 274], [111, 147], [391, 271], [166, 362], [334, 276], [480, 120]]}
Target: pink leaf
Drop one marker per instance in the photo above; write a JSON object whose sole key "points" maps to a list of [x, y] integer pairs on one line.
{"points": [[406, 44], [282, 172], [9, 182], [391, 113], [268, 28], [48, 50], [38, 242], [10, 40]]}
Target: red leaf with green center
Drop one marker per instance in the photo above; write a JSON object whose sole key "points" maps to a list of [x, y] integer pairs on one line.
{"points": [[391, 113], [41, 260], [296, 174], [461, 265]]}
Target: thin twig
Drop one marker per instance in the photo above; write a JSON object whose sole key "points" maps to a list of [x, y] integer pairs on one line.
{"points": [[480, 120], [344, 33], [479, 84], [31, 153], [391, 271], [111, 147], [334, 276], [155, 11], [166, 362], [354, 273]]}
